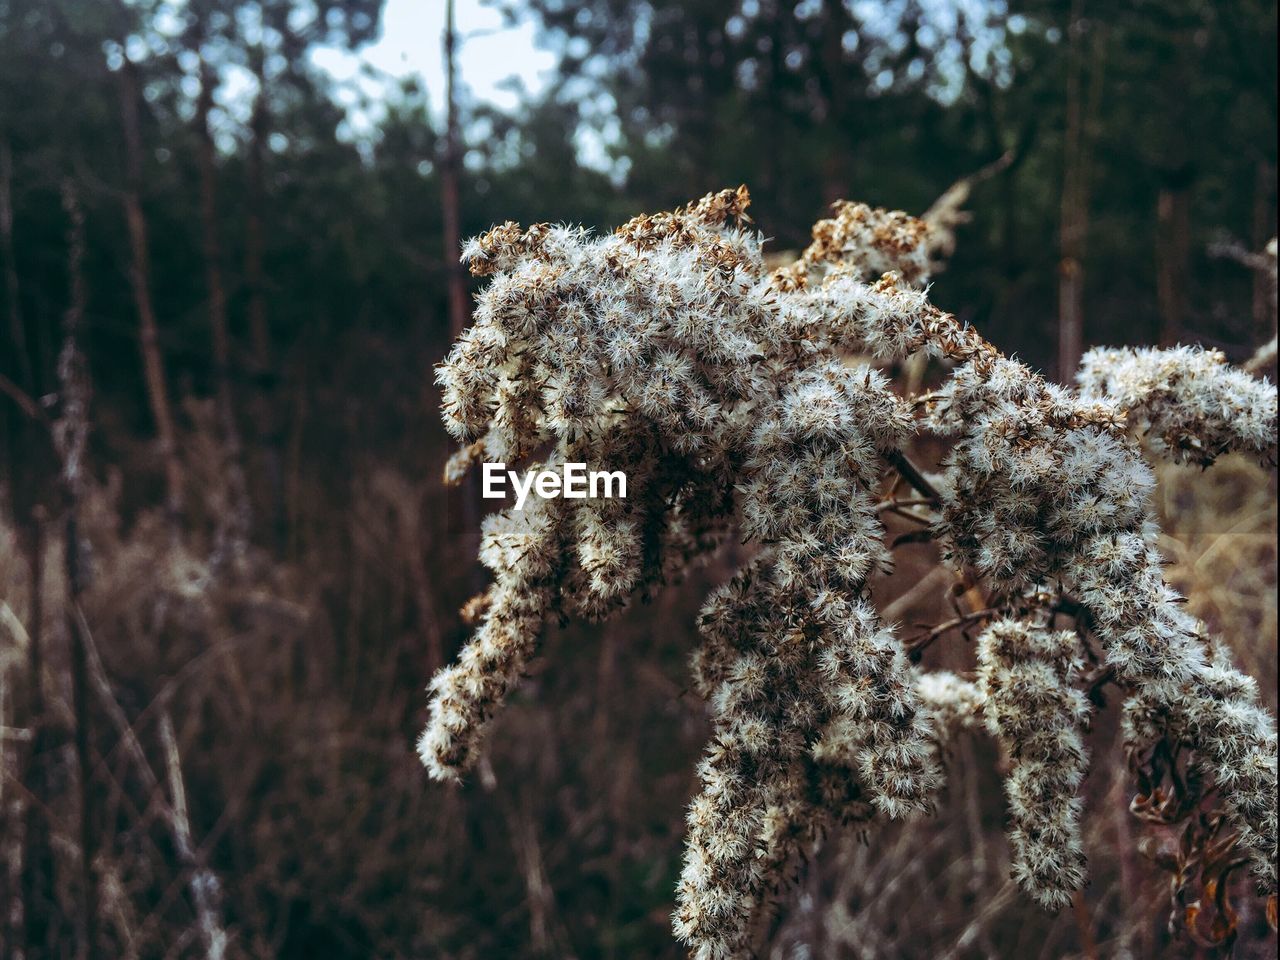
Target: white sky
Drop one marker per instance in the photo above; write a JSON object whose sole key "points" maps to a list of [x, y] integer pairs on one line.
{"points": [[490, 56]]}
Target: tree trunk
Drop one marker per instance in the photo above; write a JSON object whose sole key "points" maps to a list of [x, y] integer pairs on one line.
{"points": [[140, 279], [28, 885], [1173, 253], [1073, 221], [88, 919], [1262, 230], [1082, 115], [12, 721], [233, 528], [259, 333], [13, 306], [38, 883], [466, 492], [73, 387], [266, 419], [451, 160], [837, 104], [1070, 312]]}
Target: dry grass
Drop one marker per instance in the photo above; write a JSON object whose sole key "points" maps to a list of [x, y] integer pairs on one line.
{"points": [[294, 694]]}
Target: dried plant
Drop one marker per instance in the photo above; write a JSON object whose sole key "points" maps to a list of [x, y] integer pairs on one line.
{"points": [[1188, 403], [1033, 706], [729, 397]]}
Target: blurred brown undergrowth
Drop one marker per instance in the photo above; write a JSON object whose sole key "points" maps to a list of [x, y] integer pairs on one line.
{"points": [[292, 691]]}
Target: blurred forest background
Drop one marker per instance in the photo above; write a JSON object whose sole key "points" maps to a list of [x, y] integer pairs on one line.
{"points": [[228, 565]]}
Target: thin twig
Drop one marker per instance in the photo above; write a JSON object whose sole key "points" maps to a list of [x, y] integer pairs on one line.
{"points": [[1096, 681], [1083, 926], [922, 535], [204, 885], [898, 504], [994, 905], [908, 515], [902, 604], [201, 880], [26, 403], [917, 644], [912, 474]]}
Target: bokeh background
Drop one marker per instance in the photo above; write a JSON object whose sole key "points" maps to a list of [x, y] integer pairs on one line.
{"points": [[228, 566]]}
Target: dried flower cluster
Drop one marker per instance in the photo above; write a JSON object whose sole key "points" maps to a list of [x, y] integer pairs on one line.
{"points": [[1044, 488], [726, 395], [867, 242], [1027, 676], [1189, 404]]}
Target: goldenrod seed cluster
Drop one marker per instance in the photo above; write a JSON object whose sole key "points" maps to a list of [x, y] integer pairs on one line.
{"points": [[1043, 486], [1027, 675], [726, 395], [868, 243], [1187, 402]]}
